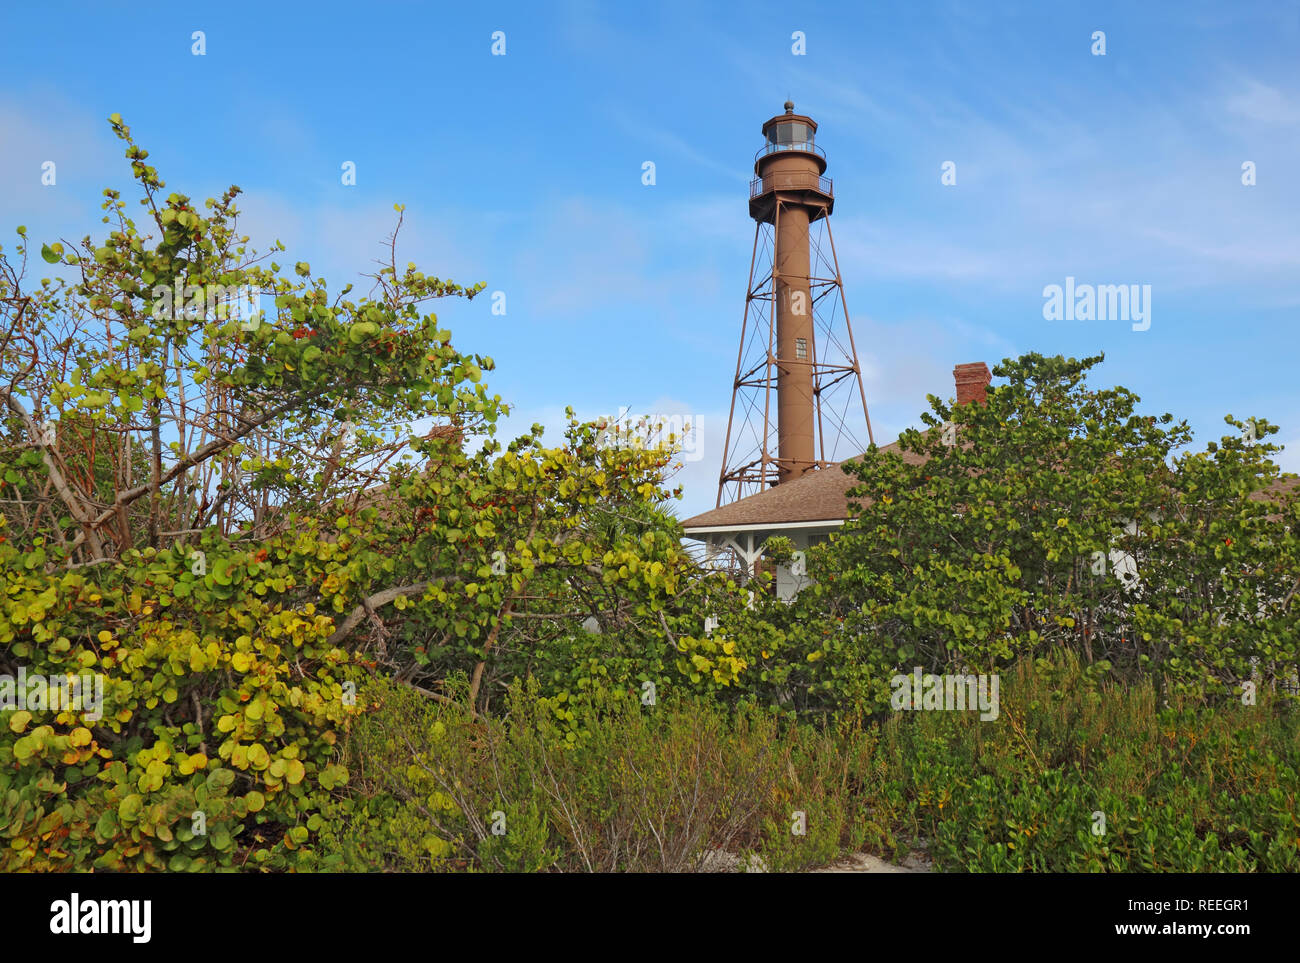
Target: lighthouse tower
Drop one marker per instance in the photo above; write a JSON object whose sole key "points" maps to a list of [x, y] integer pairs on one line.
{"points": [[798, 385]]}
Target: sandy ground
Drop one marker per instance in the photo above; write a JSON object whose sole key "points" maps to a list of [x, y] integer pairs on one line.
{"points": [[866, 863], [720, 862]]}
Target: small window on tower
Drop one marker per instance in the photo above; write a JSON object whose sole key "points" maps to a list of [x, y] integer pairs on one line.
{"points": [[801, 349]]}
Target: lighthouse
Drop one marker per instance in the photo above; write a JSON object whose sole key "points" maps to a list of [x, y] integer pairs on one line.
{"points": [[797, 354]]}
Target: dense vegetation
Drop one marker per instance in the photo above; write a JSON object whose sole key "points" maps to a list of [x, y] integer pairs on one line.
{"points": [[1183, 788], [327, 644]]}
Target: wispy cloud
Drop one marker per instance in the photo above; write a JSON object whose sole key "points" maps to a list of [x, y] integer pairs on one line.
{"points": [[1264, 104]]}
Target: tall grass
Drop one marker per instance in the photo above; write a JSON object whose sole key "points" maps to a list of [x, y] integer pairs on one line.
{"points": [[1070, 777]]}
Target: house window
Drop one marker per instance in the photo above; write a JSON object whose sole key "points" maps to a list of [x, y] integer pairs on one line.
{"points": [[801, 349]]}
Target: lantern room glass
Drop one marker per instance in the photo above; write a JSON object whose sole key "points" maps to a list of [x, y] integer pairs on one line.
{"points": [[792, 135]]}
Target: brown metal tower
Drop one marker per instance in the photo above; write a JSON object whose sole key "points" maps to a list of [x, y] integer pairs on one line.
{"points": [[795, 339]]}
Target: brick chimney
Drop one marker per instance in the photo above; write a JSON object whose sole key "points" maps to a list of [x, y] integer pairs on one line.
{"points": [[971, 380]]}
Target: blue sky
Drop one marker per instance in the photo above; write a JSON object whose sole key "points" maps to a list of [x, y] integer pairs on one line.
{"points": [[524, 171]]}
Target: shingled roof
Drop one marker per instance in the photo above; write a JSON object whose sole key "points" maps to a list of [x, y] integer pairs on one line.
{"points": [[820, 495]]}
